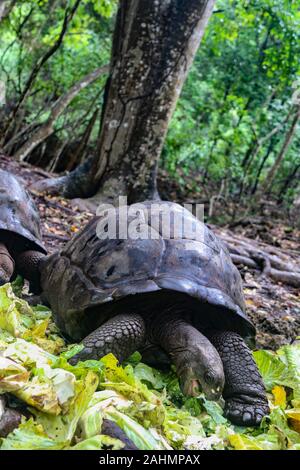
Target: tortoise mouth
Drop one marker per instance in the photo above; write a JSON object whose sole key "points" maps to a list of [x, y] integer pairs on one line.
{"points": [[193, 384], [191, 388], [214, 394]]}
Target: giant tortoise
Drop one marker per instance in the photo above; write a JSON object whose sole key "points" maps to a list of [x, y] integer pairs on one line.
{"points": [[21, 247], [176, 297]]}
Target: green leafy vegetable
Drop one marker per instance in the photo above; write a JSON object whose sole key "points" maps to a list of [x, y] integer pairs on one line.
{"points": [[68, 403], [99, 442]]}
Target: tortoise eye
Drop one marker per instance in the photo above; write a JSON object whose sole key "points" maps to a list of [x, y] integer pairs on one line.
{"points": [[209, 378]]}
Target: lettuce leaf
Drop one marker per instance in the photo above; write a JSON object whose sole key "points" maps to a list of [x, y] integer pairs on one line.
{"points": [[25, 371], [34, 324], [68, 403], [141, 437], [147, 403], [150, 376], [261, 442], [290, 355], [98, 443], [30, 436], [62, 428], [13, 376], [13, 312], [281, 368]]}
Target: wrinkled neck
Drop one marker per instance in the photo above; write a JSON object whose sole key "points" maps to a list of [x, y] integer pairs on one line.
{"points": [[180, 339]]}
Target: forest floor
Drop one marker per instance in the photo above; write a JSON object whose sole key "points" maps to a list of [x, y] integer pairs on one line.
{"points": [[274, 307]]}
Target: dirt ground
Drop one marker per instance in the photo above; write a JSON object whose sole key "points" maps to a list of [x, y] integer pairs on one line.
{"points": [[273, 307]]}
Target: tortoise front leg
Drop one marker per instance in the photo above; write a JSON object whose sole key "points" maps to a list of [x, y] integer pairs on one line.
{"points": [[27, 264], [122, 335], [244, 391], [7, 265]]}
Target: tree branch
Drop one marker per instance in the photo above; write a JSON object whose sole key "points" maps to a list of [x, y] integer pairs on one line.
{"points": [[57, 109], [34, 73]]}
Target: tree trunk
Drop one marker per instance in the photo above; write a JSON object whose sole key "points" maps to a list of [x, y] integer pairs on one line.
{"points": [[80, 151], [262, 164], [57, 109], [285, 146], [290, 181], [154, 45]]}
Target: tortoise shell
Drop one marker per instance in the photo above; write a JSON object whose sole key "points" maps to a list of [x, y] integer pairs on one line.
{"points": [[96, 270], [18, 214]]}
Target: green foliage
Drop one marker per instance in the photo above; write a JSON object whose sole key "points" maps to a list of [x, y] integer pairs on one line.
{"points": [[30, 31], [68, 403], [239, 89]]}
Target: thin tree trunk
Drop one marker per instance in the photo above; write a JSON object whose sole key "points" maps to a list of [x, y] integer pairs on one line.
{"points": [[254, 149], [249, 152], [153, 48], [57, 109], [266, 186], [84, 139], [261, 166]]}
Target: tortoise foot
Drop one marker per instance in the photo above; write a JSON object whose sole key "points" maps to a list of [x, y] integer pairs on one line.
{"points": [[244, 391], [242, 413]]}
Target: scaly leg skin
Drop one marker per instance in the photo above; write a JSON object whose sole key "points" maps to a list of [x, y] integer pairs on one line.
{"points": [[244, 391], [122, 335], [28, 266], [7, 265]]}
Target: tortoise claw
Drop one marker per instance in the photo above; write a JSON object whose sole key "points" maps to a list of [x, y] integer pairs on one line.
{"points": [[84, 355], [245, 414]]}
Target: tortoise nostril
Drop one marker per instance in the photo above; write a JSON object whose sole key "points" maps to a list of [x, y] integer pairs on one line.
{"points": [[110, 271]]}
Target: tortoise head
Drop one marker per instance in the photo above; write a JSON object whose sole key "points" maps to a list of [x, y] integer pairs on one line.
{"points": [[200, 368], [197, 378]]}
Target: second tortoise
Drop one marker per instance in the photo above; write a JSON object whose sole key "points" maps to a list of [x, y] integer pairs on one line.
{"points": [[21, 247]]}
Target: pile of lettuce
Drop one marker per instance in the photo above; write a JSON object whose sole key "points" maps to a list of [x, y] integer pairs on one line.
{"points": [[64, 405]]}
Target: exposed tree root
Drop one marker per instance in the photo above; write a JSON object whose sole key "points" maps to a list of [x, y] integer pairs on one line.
{"points": [[77, 184], [244, 260], [270, 260], [267, 259], [287, 277], [276, 266]]}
